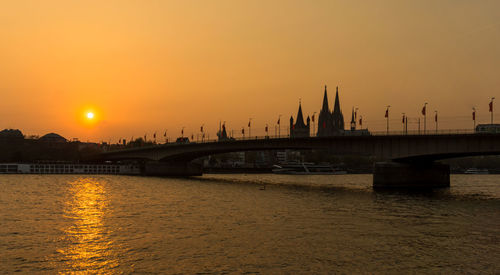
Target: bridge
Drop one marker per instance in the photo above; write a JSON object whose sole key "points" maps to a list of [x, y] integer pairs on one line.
{"points": [[407, 156]]}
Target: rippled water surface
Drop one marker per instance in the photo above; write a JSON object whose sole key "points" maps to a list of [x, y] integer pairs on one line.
{"points": [[246, 224]]}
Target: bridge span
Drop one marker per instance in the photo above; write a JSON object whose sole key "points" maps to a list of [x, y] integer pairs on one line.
{"points": [[408, 151], [400, 148]]}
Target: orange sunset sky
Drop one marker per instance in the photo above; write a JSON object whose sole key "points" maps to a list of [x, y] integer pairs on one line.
{"points": [[146, 66]]}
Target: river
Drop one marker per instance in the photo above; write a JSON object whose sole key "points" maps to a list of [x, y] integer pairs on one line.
{"points": [[252, 224]]}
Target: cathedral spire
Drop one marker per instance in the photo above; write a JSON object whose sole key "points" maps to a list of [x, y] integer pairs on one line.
{"points": [[337, 116], [325, 102], [336, 108]]}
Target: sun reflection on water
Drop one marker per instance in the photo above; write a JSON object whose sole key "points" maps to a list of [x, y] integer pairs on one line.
{"points": [[89, 247]]}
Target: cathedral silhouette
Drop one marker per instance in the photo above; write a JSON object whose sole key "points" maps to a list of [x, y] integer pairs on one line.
{"points": [[330, 123]]}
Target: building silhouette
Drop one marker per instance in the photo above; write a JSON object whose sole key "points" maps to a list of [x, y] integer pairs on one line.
{"points": [[330, 123], [299, 128], [222, 134]]}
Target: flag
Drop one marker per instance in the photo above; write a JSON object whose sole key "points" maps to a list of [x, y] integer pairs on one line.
{"points": [[361, 121], [165, 134], [313, 118], [243, 130], [436, 117], [266, 128], [474, 115], [201, 129], [145, 137], [182, 131], [387, 112], [423, 110], [279, 121], [403, 119], [249, 124], [154, 135], [192, 137], [491, 106]]}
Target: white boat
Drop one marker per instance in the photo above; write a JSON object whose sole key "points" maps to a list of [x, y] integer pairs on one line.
{"points": [[68, 168], [306, 168], [476, 171]]}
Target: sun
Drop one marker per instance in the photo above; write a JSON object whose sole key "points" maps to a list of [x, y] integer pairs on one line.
{"points": [[90, 115]]}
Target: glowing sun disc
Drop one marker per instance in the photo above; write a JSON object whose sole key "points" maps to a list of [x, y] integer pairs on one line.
{"points": [[90, 115]]}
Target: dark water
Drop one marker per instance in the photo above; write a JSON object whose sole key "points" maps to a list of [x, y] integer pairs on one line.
{"points": [[227, 224]]}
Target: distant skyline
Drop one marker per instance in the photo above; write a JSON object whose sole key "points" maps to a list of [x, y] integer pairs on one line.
{"points": [[146, 66]]}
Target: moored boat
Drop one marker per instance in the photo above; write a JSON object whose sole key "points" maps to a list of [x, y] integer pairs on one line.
{"points": [[476, 171], [306, 168]]}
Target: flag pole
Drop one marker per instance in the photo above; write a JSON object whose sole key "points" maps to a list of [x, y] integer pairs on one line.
{"points": [[279, 126], [404, 117], [474, 117], [249, 127], [436, 119], [387, 116], [424, 111], [406, 125], [491, 109]]}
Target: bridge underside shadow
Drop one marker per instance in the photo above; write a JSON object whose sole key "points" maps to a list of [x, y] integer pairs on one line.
{"points": [[172, 169], [418, 171], [411, 175]]}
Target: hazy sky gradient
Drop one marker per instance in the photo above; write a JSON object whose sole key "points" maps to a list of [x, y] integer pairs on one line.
{"points": [[147, 66]]}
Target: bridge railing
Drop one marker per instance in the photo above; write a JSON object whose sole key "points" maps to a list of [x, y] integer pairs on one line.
{"points": [[353, 133], [363, 132], [422, 132]]}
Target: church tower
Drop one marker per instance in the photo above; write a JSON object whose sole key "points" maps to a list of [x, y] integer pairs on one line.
{"points": [[299, 129]]}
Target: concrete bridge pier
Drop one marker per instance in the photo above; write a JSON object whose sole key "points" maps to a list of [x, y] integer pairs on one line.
{"points": [[172, 169], [411, 175]]}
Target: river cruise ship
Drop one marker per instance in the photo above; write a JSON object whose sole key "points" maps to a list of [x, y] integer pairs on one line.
{"points": [[306, 168], [68, 168], [476, 171]]}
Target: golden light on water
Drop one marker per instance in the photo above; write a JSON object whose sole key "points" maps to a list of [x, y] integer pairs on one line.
{"points": [[89, 248]]}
